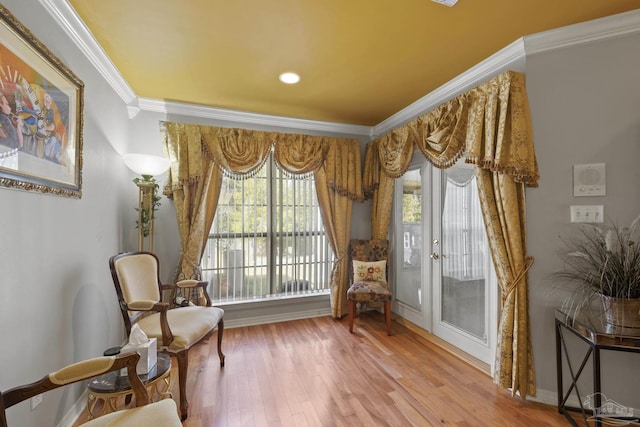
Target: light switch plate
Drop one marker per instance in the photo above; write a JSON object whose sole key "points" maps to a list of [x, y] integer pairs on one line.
{"points": [[589, 214]]}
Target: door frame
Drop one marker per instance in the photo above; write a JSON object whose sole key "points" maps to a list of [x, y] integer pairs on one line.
{"points": [[471, 345], [420, 317], [426, 315]]}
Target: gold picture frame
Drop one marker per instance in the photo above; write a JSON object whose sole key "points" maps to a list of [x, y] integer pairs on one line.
{"points": [[41, 115]]}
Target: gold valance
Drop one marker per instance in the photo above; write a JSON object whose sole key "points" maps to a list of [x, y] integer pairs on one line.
{"points": [[457, 126], [241, 152], [237, 152], [441, 134], [508, 147]]}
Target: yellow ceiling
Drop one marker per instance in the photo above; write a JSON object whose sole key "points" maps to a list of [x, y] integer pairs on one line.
{"points": [[361, 61]]}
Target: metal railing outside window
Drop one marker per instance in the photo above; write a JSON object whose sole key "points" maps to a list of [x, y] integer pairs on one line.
{"points": [[267, 239]]}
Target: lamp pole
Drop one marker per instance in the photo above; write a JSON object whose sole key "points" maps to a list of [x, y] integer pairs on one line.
{"points": [[146, 211], [147, 166]]}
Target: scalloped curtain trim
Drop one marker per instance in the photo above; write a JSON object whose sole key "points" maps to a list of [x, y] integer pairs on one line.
{"points": [[240, 153], [491, 123]]}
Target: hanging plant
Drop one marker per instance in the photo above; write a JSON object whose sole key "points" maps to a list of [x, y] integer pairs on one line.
{"points": [[146, 214]]}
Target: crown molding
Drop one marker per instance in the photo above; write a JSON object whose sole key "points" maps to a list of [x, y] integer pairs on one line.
{"points": [[511, 57], [622, 24], [262, 120], [71, 23]]}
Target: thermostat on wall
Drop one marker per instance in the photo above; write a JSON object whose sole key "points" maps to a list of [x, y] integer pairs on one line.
{"points": [[589, 180]]}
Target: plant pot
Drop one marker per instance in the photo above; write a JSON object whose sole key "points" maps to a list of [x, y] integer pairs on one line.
{"points": [[621, 311]]}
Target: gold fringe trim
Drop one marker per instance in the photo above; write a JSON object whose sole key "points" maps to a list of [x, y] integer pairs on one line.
{"points": [[345, 192], [519, 174], [446, 163]]}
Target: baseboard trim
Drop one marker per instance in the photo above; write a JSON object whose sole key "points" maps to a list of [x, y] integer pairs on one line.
{"points": [[472, 361], [74, 412], [547, 397], [275, 318]]}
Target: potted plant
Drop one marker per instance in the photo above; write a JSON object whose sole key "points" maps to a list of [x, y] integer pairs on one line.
{"points": [[603, 263], [147, 208]]}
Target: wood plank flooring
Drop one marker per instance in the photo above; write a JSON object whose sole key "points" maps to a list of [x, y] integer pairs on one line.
{"points": [[313, 372]]}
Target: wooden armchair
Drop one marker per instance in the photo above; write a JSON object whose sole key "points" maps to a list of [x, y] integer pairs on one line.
{"points": [[136, 276], [368, 264], [160, 414]]}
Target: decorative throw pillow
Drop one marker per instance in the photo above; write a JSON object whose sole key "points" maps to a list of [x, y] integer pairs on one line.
{"points": [[375, 271]]}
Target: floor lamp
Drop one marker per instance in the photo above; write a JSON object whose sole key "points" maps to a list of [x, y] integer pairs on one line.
{"points": [[147, 166]]}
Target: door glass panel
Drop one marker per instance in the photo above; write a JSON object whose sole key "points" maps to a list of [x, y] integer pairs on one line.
{"points": [[464, 243], [409, 289]]}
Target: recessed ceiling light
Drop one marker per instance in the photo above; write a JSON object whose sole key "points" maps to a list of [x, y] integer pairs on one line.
{"points": [[449, 3], [289, 78]]}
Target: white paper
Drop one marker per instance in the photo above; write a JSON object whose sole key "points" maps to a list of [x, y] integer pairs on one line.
{"points": [[137, 336]]}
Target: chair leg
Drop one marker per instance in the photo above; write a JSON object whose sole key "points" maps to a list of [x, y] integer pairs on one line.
{"points": [[387, 316], [183, 366], [352, 314], [220, 332]]}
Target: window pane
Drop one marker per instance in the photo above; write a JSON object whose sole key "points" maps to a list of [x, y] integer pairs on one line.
{"points": [[464, 256], [409, 288], [257, 252]]}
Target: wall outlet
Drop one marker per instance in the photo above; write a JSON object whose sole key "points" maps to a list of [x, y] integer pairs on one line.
{"points": [[590, 214], [35, 401]]}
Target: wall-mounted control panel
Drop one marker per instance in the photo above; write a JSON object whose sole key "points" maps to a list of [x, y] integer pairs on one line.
{"points": [[589, 180]]}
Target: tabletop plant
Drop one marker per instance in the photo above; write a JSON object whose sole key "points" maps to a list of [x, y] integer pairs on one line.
{"points": [[601, 261]]}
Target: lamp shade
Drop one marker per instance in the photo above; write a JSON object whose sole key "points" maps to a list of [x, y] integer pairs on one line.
{"points": [[146, 164]]}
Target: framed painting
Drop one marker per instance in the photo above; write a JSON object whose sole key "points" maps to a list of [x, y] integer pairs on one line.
{"points": [[41, 114]]}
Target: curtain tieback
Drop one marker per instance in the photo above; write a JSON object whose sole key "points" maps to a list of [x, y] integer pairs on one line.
{"points": [[528, 262], [336, 263]]}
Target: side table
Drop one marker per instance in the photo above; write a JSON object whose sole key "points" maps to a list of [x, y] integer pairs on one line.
{"points": [[111, 388], [591, 328]]}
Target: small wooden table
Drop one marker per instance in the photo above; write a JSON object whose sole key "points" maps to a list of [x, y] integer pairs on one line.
{"points": [[111, 388]]}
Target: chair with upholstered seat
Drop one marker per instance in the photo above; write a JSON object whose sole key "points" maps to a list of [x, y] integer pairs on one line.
{"points": [[369, 277], [159, 414], [136, 276]]}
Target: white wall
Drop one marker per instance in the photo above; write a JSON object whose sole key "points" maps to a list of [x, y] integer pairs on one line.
{"points": [[585, 107], [57, 303]]}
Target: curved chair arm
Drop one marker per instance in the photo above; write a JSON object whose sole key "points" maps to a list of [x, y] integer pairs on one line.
{"points": [[147, 305], [190, 284], [78, 372], [161, 307]]}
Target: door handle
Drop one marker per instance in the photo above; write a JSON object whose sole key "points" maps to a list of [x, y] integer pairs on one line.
{"points": [[434, 256]]}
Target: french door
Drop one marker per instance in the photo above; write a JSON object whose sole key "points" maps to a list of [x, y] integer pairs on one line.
{"points": [[445, 281]]}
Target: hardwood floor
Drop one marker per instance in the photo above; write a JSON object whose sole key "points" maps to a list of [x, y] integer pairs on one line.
{"points": [[313, 372]]}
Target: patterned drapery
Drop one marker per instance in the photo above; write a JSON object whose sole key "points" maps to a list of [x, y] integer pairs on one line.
{"points": [[492, 124], [200, 155]]}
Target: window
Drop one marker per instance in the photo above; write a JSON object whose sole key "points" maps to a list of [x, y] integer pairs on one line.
{"points": [[267, 239]]}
